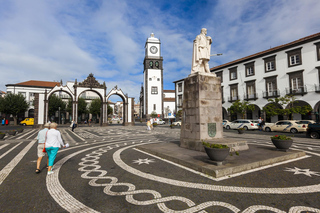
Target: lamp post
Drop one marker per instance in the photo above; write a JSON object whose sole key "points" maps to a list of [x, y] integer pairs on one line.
{"points": [[59, 115]]}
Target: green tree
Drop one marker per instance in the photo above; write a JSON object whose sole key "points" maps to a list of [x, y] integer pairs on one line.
{"points": [[13, 104], [241, 107], [54, 103], [95, 106], [285, 106], [179, 114], [109, 110], [82, 106], [69, 106]]}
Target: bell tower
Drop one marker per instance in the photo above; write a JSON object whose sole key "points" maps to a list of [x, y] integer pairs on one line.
{"points": [[153, 77]]}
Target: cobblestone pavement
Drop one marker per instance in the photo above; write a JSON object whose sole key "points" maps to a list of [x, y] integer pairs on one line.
{"points": [[103, 171]]}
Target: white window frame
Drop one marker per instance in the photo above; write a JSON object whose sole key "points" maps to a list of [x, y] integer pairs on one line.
{"points": [[294, 59], [270, 66], [154, 90], [233, 75], [250, 71]]}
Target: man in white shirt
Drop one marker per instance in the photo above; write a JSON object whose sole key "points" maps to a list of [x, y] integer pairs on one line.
{"points": [[41, 140]]}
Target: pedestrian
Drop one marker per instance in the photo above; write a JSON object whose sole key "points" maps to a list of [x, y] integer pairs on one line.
{"points": [[151, 123], [259, 124], [148, 125], [53, 143], [3, 121], [7, 122], [41, 140], [262, 123], [72, 125]]}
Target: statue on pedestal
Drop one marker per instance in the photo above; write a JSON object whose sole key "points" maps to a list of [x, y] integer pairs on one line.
{"points": [[201, 53]]}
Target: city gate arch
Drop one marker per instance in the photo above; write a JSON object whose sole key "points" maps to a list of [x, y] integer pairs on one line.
{"points": [[128, 105]]}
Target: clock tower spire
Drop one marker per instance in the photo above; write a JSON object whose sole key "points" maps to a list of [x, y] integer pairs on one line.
{"points": [[152, 78]]}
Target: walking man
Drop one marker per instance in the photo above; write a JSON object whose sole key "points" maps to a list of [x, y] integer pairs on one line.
{"points": [[41, 142]]}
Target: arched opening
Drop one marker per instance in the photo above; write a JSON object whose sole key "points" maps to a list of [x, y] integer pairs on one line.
{"points": [[302, 107], [254, 114], [58, 105], [316, 112], [224, 114], [268, 114], [116, 109], [89, 107]]}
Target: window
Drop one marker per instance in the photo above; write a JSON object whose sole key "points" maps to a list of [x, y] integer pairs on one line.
{"points": [[150, 64], [296, 83], [233, 92], [22, 93], [249, 69], [233, 73], [157, 64], [251, 90], [271, 87], [154, 107], [158, 79], [150, 79], [318, 50], [219, 74], [294, 57], [154, 90], [180, 87], [179, 100], [270, 63]]}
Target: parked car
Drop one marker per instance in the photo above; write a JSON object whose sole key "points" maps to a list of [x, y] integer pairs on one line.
{"points": [[224, 123], [313, 130], [242, 123], [27, 122], [159, 121], [176, 123], [292, 126], [305, 121]]}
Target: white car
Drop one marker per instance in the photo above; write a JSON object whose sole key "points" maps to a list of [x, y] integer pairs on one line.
{"points": [[242, 123], [158, 121], [224, 123], [177, 123], [287, 126]]}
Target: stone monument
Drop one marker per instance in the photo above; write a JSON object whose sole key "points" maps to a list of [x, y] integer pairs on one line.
{"points": [[202, 104]]}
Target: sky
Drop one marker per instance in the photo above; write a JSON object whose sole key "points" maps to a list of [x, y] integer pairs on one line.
{"points": [[65, 40]]}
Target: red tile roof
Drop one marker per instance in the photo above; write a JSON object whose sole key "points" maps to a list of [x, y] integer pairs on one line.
{"points": [[169, 99], [39, 83], [173, 91], [269, 51]]}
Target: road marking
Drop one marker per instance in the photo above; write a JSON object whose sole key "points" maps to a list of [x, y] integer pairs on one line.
{"points": [[7, 152], [9, 167], [4, 145], [210, 187]]}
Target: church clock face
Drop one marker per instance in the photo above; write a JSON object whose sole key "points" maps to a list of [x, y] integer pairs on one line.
{"points": [[153, 49]]}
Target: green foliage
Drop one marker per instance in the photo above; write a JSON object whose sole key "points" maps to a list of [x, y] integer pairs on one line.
{"points": [[69, 106], [54, 103], [281, 137], [109, 110], [13, 104], [285, 106], [154, 114], [213, 145], [82, 106], [241, 107], [95, 106], [179, 114]]}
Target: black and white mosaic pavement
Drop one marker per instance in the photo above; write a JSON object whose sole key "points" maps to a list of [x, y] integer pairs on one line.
{"points": [[103, 171]]}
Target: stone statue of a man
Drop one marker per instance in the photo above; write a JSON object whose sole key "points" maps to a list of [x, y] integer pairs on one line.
{"points": [[201, 53]]}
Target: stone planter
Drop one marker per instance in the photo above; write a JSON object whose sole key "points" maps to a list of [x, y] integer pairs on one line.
{"points": [[19, 130], [283, 145], [2, 136], [217, 154], [240, 131]]}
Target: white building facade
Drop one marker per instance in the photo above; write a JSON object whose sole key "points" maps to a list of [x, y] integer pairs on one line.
{"points": [[289, 69]]}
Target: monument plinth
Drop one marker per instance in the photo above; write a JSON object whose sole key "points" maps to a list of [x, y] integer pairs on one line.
{"points": [[202, 110]]}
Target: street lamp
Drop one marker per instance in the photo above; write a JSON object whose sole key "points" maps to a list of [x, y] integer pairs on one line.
{"points": [[59, 115]]}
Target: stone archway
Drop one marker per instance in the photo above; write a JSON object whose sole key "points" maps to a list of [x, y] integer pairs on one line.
{"points": [[128, 105], [296, 116], [272, 119]]}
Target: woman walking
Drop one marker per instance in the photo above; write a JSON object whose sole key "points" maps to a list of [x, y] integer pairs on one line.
{"points": [[53, 143]]}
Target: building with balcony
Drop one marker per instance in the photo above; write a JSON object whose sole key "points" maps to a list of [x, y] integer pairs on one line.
{"points": [[289, 69]]}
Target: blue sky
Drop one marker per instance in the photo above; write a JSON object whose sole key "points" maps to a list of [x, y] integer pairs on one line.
{"points": [[69, 39]]}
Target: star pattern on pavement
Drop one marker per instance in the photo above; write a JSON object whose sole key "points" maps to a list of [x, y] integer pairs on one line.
{"points": [[298, 171], [141, 161]]}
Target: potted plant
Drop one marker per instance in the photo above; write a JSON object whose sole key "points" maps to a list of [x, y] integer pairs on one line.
{"points": [[12, 132], [216, 152], [171, 126], [2, 134], [19, 130], [282, 142], [241, 130], [155, 124]]}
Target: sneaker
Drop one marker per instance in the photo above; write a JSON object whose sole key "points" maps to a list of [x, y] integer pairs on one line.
{"points": [[50, 172]]}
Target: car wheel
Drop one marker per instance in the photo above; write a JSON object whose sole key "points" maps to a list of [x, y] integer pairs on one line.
{"points": [[293, 130], [314, 135], [23, 124], [267, 129], [227, 127], [245, 128]]}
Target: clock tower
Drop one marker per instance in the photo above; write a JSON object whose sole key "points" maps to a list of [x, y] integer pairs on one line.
{"points": [[152, 78]]}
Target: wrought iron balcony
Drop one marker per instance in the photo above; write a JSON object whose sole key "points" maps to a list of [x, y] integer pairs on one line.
{"points": [[271, 94], [233, 99], [297, 91], [248, 97]]}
